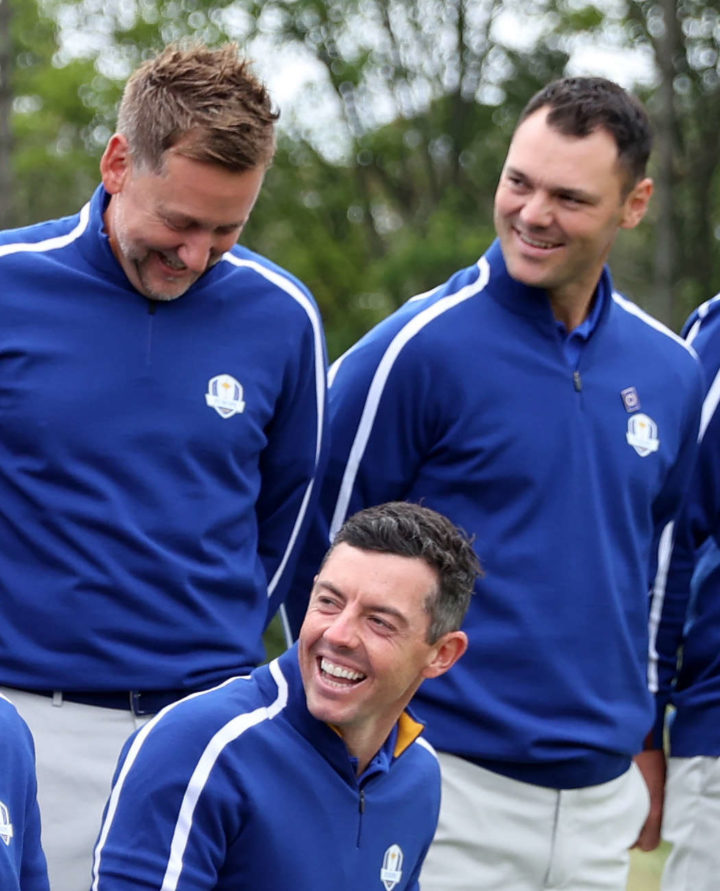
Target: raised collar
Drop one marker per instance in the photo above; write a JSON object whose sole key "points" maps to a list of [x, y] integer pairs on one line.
{"points": [[326, 739], [533, 302], [94, 244]]}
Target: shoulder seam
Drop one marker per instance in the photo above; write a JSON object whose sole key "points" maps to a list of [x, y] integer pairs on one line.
{"points": [[651, 321], [49, 244], [421, 741], [400, 340], [286, 284], [227, 734]]}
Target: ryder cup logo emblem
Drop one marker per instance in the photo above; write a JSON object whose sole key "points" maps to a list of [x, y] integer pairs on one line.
{"points": [[642, 434], [6, 827], [391, 871], [225, 395]]}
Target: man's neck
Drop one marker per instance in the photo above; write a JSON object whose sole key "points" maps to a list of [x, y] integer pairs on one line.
{"points": [[571, 309], [364, 743]]}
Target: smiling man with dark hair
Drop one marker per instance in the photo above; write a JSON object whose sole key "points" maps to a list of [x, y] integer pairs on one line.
{"points": [[557, 422], [310, 773]]}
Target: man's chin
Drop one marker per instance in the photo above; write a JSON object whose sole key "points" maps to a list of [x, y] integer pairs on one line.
{"points": [[164, 298], [158, 287], [165, 294]]}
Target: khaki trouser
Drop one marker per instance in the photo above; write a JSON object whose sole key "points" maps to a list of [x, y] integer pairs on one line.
{"points": [[497, 834]]}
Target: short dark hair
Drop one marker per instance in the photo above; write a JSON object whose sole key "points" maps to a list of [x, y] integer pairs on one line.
{"points": [[411, 530], [579, 105], [203, 103]]}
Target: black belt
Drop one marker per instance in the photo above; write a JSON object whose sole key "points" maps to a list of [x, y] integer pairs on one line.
{"points": [[139, 702]]}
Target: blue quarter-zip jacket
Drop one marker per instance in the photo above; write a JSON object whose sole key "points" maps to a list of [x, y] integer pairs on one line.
{"points": [[691, 683], [22, 861], [565, 475], [157, 462], [240, 788]]}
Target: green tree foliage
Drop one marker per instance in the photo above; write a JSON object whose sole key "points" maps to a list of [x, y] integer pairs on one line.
{"points": [[6, 97], [53, 163], [424, 102], [387, 163], [384, 177], [684, 38], [674, 262]]}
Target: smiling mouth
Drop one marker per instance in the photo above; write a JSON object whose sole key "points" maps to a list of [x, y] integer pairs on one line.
{"points": [[171, 262], [532, 242], [338, 675]]}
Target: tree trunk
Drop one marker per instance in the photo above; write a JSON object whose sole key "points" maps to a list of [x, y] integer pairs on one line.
{"points": [[665, 264]]}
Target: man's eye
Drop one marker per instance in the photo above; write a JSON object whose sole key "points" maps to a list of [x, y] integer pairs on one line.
{"points": [[381, 623], [177, 225], [517, 182]]}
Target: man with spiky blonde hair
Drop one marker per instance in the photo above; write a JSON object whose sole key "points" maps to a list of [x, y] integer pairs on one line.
{"points": [[162, 396]]}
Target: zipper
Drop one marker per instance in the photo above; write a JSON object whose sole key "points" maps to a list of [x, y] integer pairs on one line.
{"points": [[361, 811], [152, 308]]}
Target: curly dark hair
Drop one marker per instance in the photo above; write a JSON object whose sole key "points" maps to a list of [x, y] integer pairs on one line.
{"points": [[411, 530]]}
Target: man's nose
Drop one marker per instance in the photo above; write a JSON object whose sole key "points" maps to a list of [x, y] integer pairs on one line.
{"points": [[537, 210], [195, 251], [342, 631]]}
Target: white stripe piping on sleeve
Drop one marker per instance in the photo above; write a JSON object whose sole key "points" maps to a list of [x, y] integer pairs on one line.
{"points": [[702, 311], [406, 333], [50, 244], [710, 404], [421, 741], [634, 310], [183, 827], [658, 599], [693, 332], [117, 788], [300, 297], [335, 367]]}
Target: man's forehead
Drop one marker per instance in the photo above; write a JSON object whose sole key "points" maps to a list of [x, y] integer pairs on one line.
{"points": [[350, 569], [535, 130], [559, 161]]}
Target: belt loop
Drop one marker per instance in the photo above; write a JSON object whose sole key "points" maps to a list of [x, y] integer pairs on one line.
{"points": [[135, 707], [57, 698]]}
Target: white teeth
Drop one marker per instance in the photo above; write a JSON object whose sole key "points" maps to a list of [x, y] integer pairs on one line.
{"points": [[338, 671], [172, 262], [538, 244]]}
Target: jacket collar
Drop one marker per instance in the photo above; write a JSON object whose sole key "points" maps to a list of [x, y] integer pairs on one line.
{"points": [[325, 738], [533, 302]]}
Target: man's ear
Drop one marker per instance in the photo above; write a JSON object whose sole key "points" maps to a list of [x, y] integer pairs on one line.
{"points": [[448, 649], [115, 163], [636, 204]]}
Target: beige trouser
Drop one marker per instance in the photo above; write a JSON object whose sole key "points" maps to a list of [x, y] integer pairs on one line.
{"points": [[77, 747], [498, 834], [691, 823]]}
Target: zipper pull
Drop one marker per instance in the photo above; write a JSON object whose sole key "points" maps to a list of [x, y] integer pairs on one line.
{"points": [[577, 380], [362, 801]]}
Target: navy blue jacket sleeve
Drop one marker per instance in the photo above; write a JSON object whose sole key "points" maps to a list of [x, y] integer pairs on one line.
{"points": [[686, 537], [22, 861], [293, 461]]}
